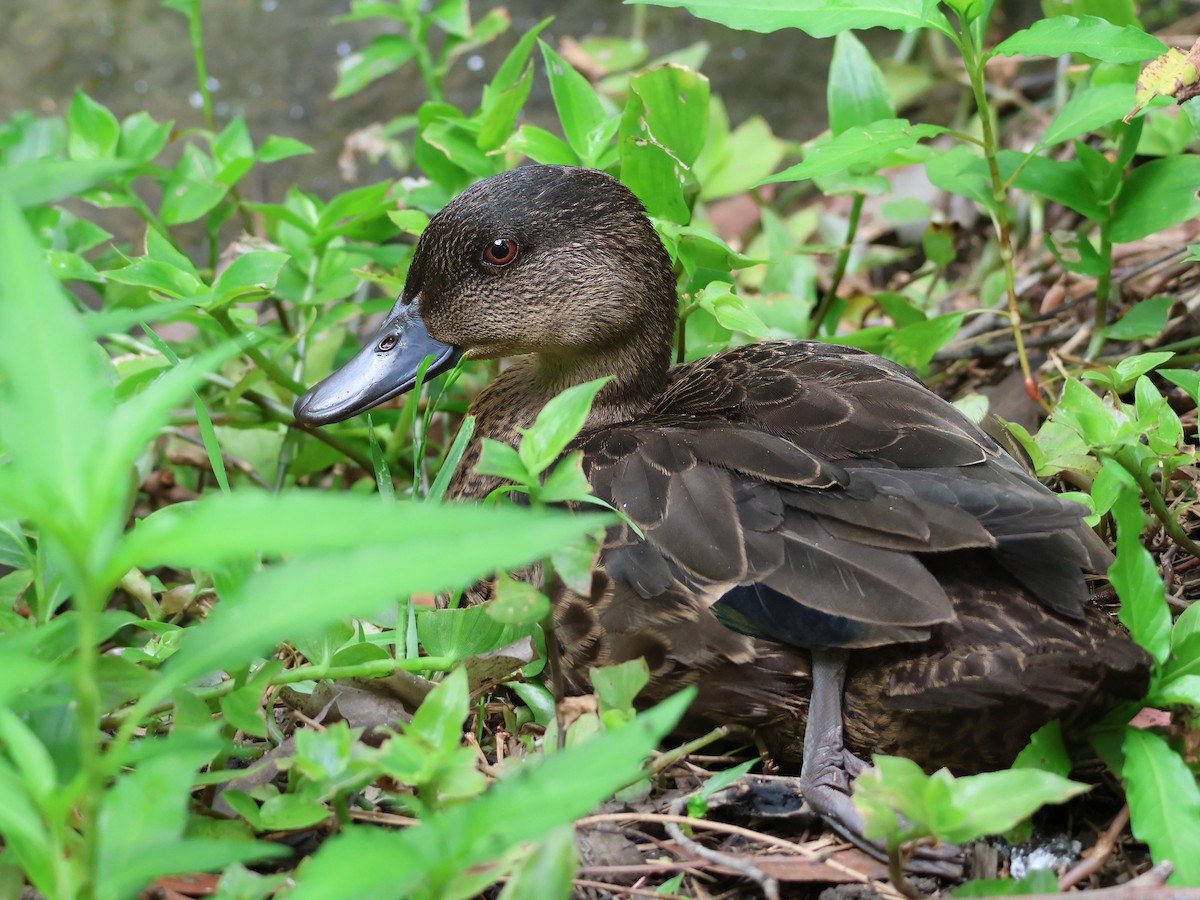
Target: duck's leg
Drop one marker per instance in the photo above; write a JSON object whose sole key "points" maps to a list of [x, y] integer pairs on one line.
{"points": [[828, 770]]}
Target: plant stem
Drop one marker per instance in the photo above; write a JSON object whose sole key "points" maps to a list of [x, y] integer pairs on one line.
{"points": [[839, 271], [975, 71], [1103, 290], [196, 37], [1158, 503], [89, 605]]}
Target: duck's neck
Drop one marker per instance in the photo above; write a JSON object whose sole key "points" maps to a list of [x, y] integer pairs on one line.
{"points": [[515, 397]]}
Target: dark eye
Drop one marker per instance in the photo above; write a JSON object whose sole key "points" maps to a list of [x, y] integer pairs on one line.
{"points": [[500, 252], [387, 343]]}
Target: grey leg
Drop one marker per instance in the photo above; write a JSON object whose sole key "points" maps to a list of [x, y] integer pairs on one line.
{"points": [[825, 781]]}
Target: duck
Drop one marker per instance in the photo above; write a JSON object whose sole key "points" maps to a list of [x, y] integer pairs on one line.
{"points": [[834, 556]]}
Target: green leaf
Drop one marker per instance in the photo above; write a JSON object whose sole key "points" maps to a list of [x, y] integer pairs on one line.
{"points": [[55, 401], [617, 686], [502, 460], [143, 816], [191, 190], [1164, 803], [858, 146], [1087, 414], [541, 146], [857, 93], [566, 481], [1137, 581], [1188, 379], [914, 345], [1148, 318], [557, 425], [585, 123], [385, 54], [1045, 751], [819, 18], [51, 180], [526, 805], [252, 272], [1090, 108], [673, 109], [276, 148], [142, 139], [548, 870], [730, 310], [463, 633], [1090, 36], [438, 721], [94, 131], [1156, 196], [158, 276], [518, 603]]}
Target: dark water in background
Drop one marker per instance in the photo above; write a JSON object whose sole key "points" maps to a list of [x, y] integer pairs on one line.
{"points": [[273, 61]]}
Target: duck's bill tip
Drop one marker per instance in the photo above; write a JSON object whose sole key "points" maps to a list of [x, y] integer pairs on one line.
{"points": [[385, 368]]}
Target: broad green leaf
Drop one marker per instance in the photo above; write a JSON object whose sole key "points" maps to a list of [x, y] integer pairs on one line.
{"points": [[1045, 751], [584, 121], [548, 870], [527, 805], [541, 146], [276, 148], [617, 686], [730, 310], [385, 54], [1147, 318], [94, 131], [210, 532], [1137, 580], [55, 400], [557, 425], [656, 177], [257, 270], [142, 139], [1156, 196], [502, 460], [51, 180], [463, 633], [143, 816], [857, 93], [1188, 379], [673, 109], [914, 345], [1090, 108], [1061, 180], [438, 721], [739, 161], [443, 547], [517, 603], [566, 481], [858, 146], [1087, 414], [158, 276], [819, 18], [994, 802], [1164, 803], [191, 189], [1090, 36]]}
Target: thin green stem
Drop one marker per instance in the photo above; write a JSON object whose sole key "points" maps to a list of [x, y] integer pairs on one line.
{"points": [[1158, 503], [196, 37], [975, 71], [88, 709], [1103, 290], [839, 271], [666, 760]]}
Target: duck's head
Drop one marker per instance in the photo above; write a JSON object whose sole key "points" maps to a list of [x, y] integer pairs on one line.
{"points": [[554, 260]]}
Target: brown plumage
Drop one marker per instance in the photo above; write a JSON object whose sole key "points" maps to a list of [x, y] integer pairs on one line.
{"points": [[793, 495]]}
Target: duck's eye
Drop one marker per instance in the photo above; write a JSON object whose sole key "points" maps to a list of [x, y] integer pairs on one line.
{"points": [[387, 343], [500, 252]]}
